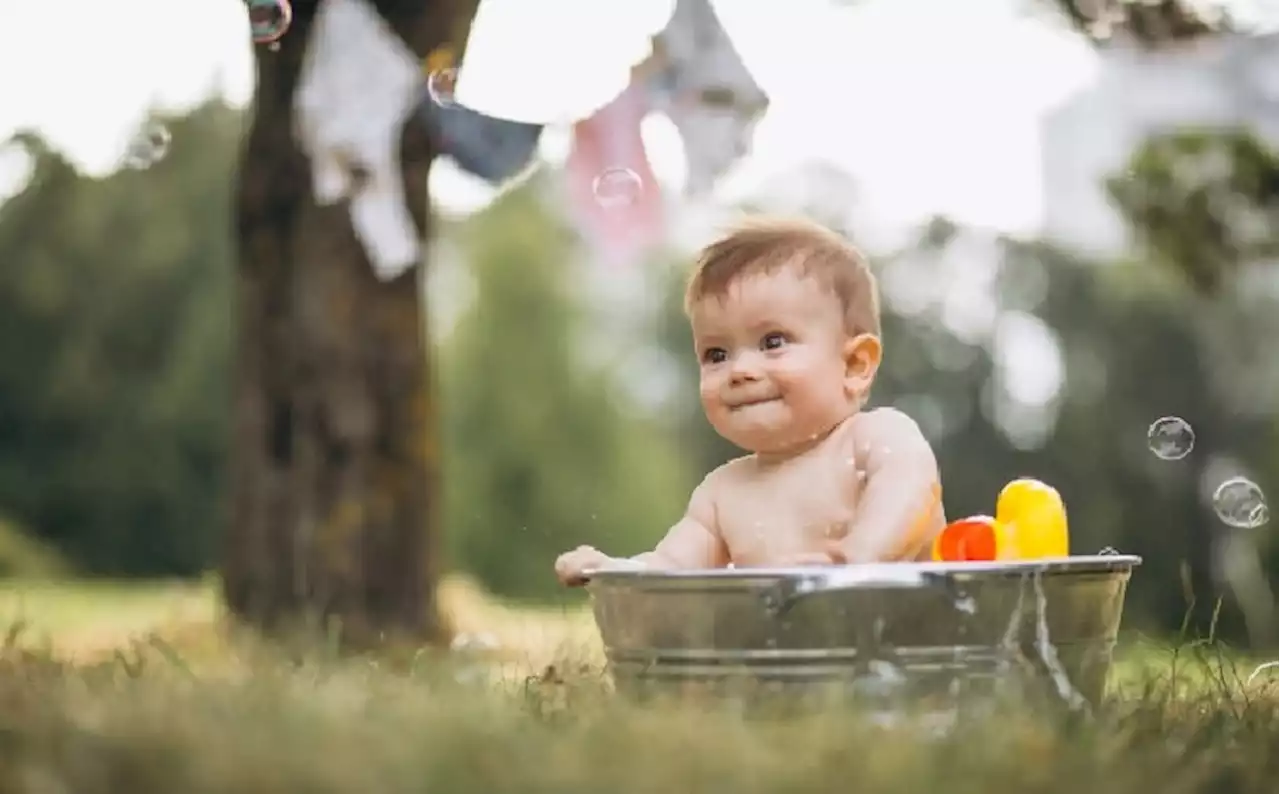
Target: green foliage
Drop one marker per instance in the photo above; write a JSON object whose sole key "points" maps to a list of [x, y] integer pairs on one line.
{"points": [[25, 557], [542, 452], [1204, 202], [115, 359], [115, 401]]}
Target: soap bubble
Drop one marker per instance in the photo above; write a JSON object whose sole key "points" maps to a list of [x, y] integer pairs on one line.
{"points": [[148, 147], [1240, 503], [1170, 438], [617, 187], [442, 85], [269, 20]]}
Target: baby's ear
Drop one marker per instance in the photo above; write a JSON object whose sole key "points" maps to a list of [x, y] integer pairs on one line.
{"points": [[861, 362]]}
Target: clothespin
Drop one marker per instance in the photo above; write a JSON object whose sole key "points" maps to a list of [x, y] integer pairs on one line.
{"points": [[439, 59]]}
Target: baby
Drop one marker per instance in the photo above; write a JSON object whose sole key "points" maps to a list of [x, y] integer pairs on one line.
{"points": [[786, 326]]}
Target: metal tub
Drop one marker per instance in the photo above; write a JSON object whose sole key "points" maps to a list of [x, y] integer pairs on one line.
{"points": [[926, 630]]}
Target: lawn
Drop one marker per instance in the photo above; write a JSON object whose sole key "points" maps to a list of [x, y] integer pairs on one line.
{"points": [[141, 689], [86, 621]]}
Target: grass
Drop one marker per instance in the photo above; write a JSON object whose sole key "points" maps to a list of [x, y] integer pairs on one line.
{"points": [[143, 689], [88, 621]]}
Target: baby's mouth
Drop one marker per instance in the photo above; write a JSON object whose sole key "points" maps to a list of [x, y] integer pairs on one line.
{"points": [[738, 406]]}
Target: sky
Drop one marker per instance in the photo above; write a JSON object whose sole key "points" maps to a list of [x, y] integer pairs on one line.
{"points": [[933, 109]]}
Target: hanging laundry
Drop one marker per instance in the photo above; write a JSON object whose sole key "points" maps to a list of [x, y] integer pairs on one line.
{"points": [[614, 198], [496, 150], [706, 91], [359, 84]]}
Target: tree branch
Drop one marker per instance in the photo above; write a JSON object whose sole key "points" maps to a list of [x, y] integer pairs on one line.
{"points": [[1150, 23]]}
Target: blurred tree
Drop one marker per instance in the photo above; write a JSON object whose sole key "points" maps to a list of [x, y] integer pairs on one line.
{"points": [[335, 472], [25, 557], [542, 452], [114, 359], [1204, 204]]}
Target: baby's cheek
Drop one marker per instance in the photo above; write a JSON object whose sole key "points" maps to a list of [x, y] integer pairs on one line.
{"points": [[707, 394], [794, 364]]}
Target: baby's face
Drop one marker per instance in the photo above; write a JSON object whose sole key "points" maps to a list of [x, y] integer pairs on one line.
{"points": [[775, 361]]}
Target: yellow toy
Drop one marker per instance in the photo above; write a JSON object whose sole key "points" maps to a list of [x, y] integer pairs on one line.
{"points": [[1030, 523]]}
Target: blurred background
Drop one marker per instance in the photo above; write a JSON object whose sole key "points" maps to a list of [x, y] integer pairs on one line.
{"points": [[1075, 237]]}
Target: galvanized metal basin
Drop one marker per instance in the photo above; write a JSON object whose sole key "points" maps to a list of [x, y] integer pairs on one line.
{"points": [[925, 630]]}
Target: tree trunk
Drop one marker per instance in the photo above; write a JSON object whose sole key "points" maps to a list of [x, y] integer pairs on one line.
{"points": [[335, 461]]}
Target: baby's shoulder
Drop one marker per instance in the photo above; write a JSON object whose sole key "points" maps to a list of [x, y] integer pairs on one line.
{"points": [[884, 421], [884, 430], [732, 471], [728, 476], [719, 486]]}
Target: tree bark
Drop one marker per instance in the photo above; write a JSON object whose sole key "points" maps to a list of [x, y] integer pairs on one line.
{"points": [[335, 460]]}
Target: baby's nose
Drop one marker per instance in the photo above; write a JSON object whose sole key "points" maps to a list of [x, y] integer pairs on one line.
{"points": [[746, 367]]}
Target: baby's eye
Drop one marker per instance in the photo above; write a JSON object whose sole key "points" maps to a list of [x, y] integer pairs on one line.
{"points": [[773, 341], [714, 355]]}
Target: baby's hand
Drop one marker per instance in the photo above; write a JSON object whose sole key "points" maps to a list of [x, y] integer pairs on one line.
{"points": [[572, 566]]}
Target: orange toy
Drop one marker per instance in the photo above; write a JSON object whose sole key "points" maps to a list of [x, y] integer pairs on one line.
{"points": [[972, 539], [1030, 523]]}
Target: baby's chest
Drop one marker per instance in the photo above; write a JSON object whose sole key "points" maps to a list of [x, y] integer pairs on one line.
{"points": [[789, 511]]}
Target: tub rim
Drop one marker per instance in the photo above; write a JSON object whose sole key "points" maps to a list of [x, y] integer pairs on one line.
{"points": [[873, 574]]}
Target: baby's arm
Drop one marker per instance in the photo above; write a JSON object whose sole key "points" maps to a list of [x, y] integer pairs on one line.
{"points": [[695, 540], [900, 510]]}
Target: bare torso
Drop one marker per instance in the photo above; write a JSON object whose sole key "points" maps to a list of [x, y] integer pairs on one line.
{"points": [[771, 512], [867, 492]]}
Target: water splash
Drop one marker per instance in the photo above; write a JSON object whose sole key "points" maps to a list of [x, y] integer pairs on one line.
{"points": [[1009, 639], [1008, 681], [868, 575], [1049, 654]]}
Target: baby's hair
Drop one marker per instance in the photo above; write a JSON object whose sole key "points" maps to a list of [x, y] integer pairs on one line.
{"points": [[767, 244]]}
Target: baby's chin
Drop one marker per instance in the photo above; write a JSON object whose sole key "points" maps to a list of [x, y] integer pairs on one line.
{"points": [[772, 435], [765, 440]]}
